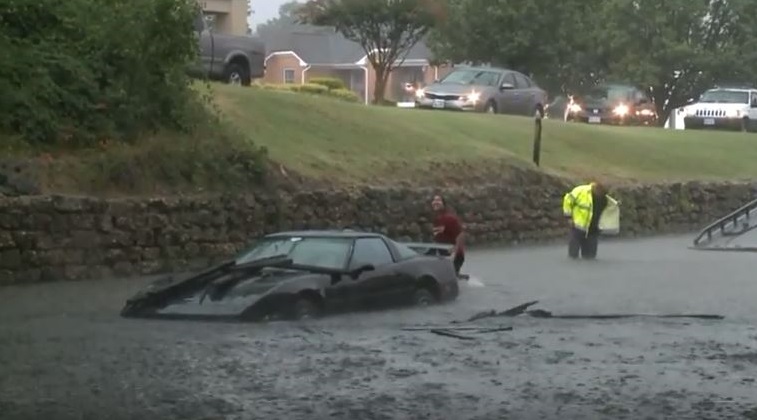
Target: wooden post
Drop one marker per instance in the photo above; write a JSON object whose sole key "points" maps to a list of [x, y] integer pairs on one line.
{"points": [[537, 138]]}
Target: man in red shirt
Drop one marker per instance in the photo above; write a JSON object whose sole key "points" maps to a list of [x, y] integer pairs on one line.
{"points": [[448, 230]]}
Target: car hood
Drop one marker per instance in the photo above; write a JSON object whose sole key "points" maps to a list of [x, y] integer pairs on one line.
{"points": [[453, 89], [219, 292]]}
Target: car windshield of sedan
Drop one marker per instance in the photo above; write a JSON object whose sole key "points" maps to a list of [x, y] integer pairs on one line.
{"points": [[329, 253], [471, 77], [725, 97]]}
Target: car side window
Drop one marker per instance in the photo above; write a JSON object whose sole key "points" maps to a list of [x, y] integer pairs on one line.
{"points": [[521, 82], [370, 251], [486, 78], [509, 78]]}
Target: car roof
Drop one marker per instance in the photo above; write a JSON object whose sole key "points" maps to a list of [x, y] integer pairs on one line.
{"points": [[732, 88], [335, 233], [480, 68]]}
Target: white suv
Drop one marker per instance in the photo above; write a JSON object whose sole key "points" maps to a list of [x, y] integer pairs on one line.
{"points": [[724, 108]]}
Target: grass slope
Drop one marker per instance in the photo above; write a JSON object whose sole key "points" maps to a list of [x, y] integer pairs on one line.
{"points": [[332, 140]]}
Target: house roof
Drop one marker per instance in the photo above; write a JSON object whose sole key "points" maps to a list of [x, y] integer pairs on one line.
{"points": [[323, 46]]}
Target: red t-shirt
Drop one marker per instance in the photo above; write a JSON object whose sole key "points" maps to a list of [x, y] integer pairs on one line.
{"points": [[447, 227]]}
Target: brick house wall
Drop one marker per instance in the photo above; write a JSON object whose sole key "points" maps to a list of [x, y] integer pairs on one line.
{"points": [[281, 67]]}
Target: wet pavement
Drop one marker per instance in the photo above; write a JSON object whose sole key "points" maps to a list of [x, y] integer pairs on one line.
{"points": [[65, 353]]}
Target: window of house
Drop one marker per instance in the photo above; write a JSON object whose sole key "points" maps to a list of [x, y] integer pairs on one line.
{"points": [[288, 75]]}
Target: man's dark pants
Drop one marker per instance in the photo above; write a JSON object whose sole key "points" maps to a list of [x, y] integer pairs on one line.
{"points": [[585, 244], [458, 262]]}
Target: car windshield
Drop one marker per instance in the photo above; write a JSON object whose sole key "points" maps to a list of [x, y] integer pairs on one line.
{"points": [[471, 77], [329, 253], [725, 97], [611, 93]]}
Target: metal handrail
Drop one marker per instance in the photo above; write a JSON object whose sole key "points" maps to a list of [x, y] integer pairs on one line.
{"points": [[731, 220]]}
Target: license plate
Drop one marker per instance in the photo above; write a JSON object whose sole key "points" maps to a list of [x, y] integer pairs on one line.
{"points": [[438, 103], [595, 120], [709, 121]]}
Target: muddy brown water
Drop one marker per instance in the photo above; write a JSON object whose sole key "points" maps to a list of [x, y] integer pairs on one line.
{"points": [[65, 353]]}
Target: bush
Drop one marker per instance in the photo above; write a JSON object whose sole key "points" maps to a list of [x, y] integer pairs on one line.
{"points": [[345, 95], [314, 89], [277, 86], [332, 83], [78, 72], [311, 88]]}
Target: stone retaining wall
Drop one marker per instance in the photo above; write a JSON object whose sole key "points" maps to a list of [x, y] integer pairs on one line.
{"points": [[44, 238]]}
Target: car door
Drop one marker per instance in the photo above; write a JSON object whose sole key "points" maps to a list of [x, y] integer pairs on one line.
{"points": [[507, 97], [525, 95], [375, 286]]}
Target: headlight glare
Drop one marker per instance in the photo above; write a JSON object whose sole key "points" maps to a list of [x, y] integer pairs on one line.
{"points": [[621, 110]]}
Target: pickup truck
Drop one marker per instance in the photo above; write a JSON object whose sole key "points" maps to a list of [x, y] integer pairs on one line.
{"points": [[230, 58]]}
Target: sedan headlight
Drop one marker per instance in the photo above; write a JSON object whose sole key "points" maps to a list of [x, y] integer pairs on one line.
{"points": [[645, 113], [420, 93], [473, 97], [621, 110]]}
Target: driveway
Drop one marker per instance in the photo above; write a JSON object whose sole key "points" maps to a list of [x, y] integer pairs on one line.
{"points": [[65, 353]]}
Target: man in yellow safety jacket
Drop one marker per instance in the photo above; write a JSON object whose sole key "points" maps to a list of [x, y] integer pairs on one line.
{"points": [[590, 211]]}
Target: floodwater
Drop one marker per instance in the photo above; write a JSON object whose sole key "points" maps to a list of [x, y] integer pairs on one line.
{"points": [[66, 354]]}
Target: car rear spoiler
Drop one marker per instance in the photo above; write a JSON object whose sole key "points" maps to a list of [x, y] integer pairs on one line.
{"points": [[433, 249]]}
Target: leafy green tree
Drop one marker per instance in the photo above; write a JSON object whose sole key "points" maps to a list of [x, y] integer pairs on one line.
{"points": [[679, 48], [386, 30], [77, 72], [287, 17], [554, 41]]}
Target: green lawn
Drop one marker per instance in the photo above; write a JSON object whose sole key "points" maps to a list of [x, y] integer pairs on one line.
{"points": [[330, 139]]}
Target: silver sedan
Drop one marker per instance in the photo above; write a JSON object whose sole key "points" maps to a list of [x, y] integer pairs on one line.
{"points": [[484, 89]]}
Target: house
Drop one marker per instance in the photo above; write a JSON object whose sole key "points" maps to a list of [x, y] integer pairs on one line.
{"points": [[298, 53], [226, 16]]}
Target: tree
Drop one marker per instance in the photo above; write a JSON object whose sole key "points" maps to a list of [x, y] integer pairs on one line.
{"points": [[287, 17], [679, 48], [385, 29], [553, 41]]}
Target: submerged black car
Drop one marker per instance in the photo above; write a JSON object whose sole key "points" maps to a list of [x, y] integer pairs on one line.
{"points": [[296, 275], [621, 104]]}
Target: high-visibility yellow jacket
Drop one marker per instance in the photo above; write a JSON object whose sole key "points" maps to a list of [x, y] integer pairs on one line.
{"points": [[578, 205]]}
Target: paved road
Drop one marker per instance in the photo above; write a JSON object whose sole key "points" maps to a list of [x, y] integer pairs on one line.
{"points": [[65, 354]]}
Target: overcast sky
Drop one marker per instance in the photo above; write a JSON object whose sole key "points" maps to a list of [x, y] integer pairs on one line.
{"points": [[264, 10]]}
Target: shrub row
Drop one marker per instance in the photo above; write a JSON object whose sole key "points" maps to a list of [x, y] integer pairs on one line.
{"points": [[326, 86]]}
